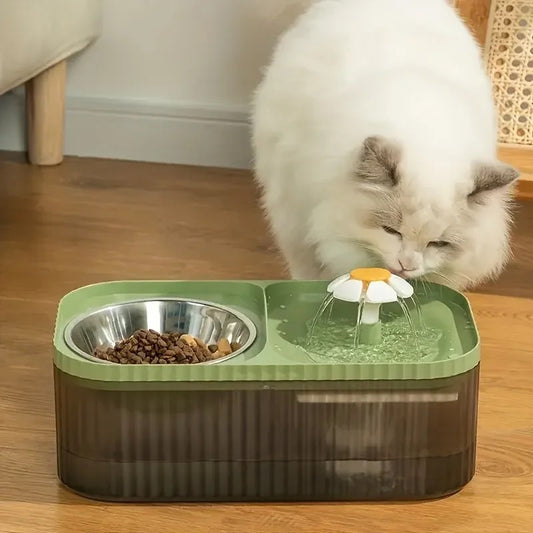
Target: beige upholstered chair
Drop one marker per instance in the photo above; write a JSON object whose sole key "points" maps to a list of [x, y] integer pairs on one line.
{"points": [[36, 38]]}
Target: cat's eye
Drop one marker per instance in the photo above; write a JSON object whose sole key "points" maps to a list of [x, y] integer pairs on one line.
{"points": [[391, 231], [439, 244]]}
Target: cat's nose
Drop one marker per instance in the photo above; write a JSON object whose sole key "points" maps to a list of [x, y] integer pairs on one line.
{"points": [[407, 266]]}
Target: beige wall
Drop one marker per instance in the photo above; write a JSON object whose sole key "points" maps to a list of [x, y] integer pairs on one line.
{"points": [[202, 51], [168, 80]]}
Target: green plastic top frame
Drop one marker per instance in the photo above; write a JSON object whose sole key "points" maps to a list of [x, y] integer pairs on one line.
{"points": [[280, 311]]}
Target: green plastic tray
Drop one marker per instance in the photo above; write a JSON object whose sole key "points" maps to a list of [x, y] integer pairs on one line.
{"points": [[280, 310]]}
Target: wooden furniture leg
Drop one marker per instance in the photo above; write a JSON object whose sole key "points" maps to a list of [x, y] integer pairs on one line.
{"points": [[45, 115]]}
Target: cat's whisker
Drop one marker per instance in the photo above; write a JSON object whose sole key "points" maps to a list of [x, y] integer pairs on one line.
{"points": [[367, 247], [449, 280], [370, 248], [464, 276], [423, 281], [460, 275], [444, 277]]}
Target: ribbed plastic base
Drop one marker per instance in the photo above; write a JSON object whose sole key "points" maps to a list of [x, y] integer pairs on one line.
{"points": [[315, 441]]}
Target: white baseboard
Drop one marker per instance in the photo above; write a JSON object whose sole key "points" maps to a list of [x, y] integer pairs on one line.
{"points": [[142, 130]]}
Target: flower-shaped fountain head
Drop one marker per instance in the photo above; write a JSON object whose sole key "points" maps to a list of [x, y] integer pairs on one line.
{"points": [[370, 287]]}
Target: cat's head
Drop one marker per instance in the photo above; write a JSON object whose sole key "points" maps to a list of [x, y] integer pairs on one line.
{"points": [[451, 228]]}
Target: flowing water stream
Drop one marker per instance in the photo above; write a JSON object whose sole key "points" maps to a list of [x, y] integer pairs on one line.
{"points": [[399, 337]]}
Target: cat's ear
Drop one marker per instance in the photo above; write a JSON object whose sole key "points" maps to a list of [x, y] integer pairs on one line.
{"points": [[489, 178], [378, 162]]}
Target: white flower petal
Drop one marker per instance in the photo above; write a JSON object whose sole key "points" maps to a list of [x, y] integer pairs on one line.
{"points": [[380, 292], [403, 288], [337, 281], [349, 291]]}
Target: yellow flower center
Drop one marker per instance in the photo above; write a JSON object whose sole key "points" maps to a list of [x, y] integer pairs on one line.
{"points": [[367, 275]]}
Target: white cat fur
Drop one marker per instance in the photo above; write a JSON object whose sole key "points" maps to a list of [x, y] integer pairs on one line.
{"points": [[378, 114]]}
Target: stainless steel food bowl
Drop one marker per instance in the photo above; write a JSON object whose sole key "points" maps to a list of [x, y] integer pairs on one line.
{"points": [[204, 320]]}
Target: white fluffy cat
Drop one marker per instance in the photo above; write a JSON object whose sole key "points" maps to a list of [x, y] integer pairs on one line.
{"points": [[375, 144]]}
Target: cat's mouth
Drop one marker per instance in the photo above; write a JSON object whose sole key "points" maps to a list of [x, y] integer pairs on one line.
{"points": [[407, 274]]}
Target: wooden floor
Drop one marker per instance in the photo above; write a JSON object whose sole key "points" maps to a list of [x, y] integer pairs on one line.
{"points": [[89, 220]]}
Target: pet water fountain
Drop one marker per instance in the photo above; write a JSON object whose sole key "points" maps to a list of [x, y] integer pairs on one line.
{"points": [[363, 389]]}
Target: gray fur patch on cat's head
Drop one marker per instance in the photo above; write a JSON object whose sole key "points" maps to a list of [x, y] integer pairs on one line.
{"points": [[488, 178], [377, 172], [378, 162]]}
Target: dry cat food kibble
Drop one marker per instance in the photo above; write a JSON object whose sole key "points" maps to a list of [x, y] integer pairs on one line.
{"points": [[148, 347]]}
